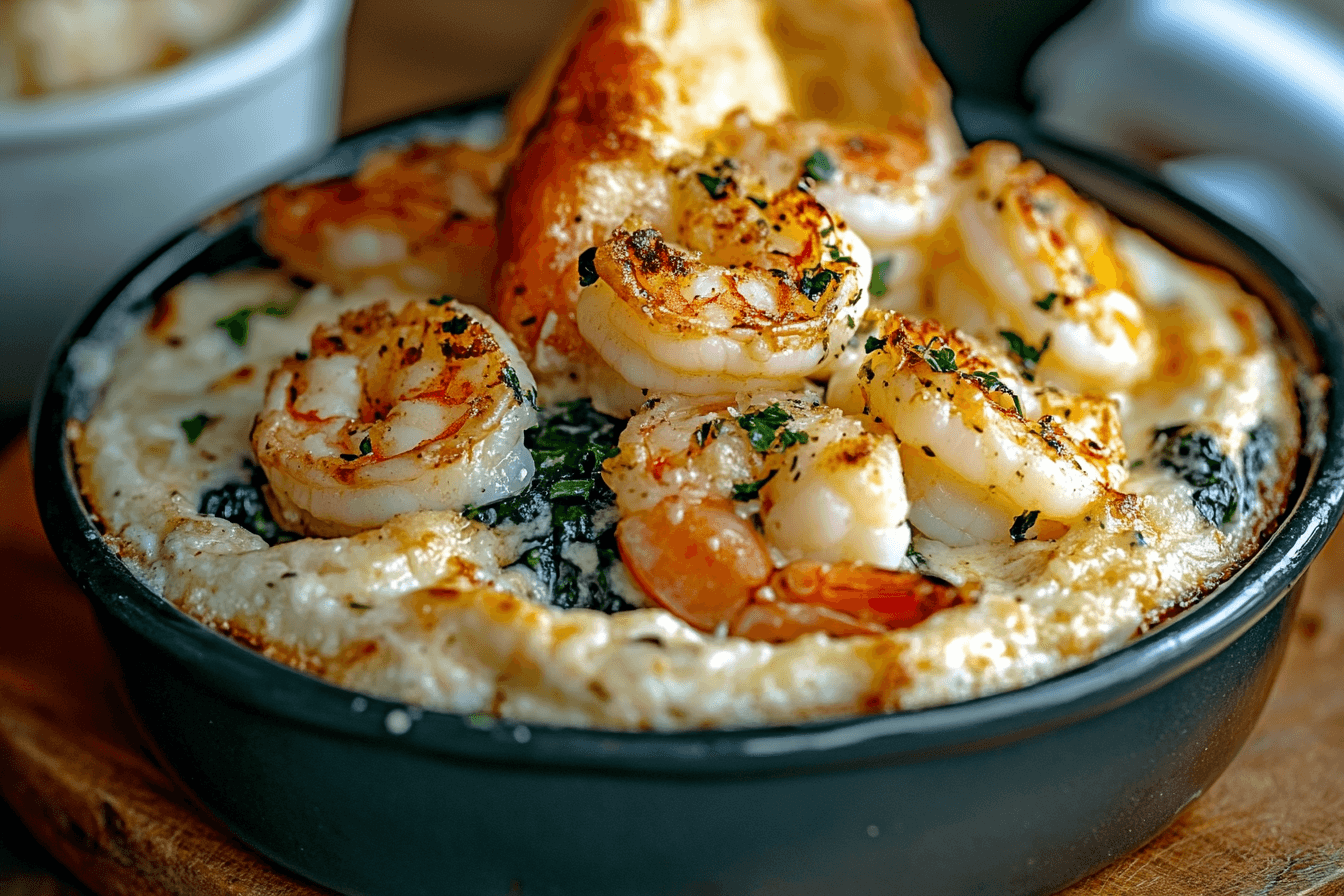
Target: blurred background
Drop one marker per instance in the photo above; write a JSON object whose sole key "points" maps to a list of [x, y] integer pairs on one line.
{"points": [[1238, 103]]}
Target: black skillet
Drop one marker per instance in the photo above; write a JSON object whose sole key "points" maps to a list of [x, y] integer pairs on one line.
{"points": [[1018, 793]]}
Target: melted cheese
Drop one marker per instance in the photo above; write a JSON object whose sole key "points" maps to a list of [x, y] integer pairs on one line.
{"points": [[423, 609]]}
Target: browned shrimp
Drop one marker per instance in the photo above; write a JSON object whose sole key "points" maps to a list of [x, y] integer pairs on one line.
{"points": [[421, 219]]}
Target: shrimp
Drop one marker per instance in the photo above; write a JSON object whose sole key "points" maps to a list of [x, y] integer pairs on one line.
{"points": [[828, 497], [1034, 262], [706, 565], [421, 219], [892, 187], [744, 292], [988, 456], [395, 412]]}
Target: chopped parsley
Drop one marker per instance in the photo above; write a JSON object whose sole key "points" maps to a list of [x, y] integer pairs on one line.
{"points": [[815, 282], [915, 556], [748, 491], [194, 426], [872, 344], [1027, 354], [365, 446], [588, 266], [457, 326], [716, 187], [766, 432], [877, 284], [441, 301], [990, 380], [236, 325], [819, 166], [940, 360], [1021, 524], [759, 203], [1047, 301]]}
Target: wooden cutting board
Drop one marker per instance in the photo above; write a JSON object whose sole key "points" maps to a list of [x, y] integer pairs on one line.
{"points": [[77, 772]]}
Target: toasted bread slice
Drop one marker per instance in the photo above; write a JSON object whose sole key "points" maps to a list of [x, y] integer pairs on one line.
{"points": [[645, 80]]}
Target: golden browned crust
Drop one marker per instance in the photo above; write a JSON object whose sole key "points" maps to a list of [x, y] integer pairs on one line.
{"points": [[637, 86]]}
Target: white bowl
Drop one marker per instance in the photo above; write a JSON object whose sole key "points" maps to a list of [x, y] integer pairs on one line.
{"points": [[90, 180]]}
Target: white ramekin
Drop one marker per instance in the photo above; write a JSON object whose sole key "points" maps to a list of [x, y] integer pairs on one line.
{"points": [[90, 180]]}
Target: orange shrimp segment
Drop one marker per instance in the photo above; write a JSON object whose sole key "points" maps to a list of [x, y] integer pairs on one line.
{"points": [[884, 597], [704, 564], [697, 560], [421, 219]]}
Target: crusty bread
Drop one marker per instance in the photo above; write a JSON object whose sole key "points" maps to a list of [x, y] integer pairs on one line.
{"points": [[643, 80]]}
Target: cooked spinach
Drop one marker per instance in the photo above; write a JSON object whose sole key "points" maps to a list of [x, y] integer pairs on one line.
{"points": [[242, 503], [568, 447], [1220, 489]]}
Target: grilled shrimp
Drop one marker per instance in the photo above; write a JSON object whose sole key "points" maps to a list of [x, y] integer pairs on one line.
{"points": [[891, 187], [744, 290], [395, 412], [828, 496], [1036, 263], [421, 219], [988, 456]]}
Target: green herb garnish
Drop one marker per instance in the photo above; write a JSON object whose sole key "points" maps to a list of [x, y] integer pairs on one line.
{"points": [[716, 187], [193, 426], [872, 344], [815, 282], [237, 323], [990, 380], [365, 446], [441, 301], [457, 326], [747, 491], [819, 166], [1021, 523], [1027, 354], [572, 488], [765, 430], [940, 360], [568, 505], [510, 377], [877, 284], [1047, 301]]}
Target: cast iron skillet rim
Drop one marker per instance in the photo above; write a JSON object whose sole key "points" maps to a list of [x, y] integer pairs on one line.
{"points": [[1134, 670]]}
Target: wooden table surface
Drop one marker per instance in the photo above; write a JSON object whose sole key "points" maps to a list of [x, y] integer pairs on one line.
{"points": [[75, 769]]}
